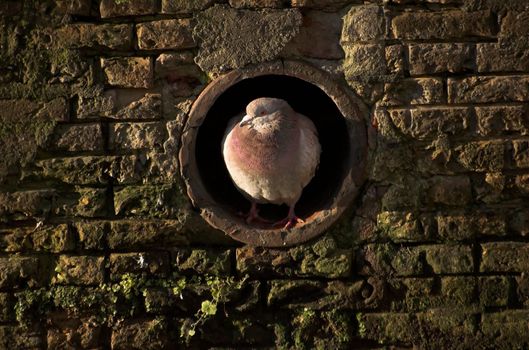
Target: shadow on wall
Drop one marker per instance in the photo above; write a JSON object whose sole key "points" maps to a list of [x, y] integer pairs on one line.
{"points": [[306, 99]]}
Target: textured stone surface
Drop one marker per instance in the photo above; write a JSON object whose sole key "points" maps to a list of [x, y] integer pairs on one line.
{"points": [[172, 34], [504, 257], [134, 72], [364, 61], [114, 8], [185, 6], [87, 35], [75, 138], [149, 135], [509, 55], [82, 270], [440, 58], [363, 23], [227, 40], [499, 120], [414, 91], [488, 89]]}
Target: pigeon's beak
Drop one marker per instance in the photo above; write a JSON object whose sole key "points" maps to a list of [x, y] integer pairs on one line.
{"points": [[245, 121]]}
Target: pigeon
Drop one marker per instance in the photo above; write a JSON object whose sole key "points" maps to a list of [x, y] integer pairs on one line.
{"points": [[271, 154]]}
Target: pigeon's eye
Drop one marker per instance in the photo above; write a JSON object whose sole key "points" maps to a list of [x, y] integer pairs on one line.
{"points": [[262, 113]]}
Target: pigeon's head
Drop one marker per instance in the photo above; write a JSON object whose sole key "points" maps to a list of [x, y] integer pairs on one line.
{"points": [[264, 106]]}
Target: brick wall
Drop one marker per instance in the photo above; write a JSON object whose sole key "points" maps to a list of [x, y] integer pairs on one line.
{"points": [[100, 247]]}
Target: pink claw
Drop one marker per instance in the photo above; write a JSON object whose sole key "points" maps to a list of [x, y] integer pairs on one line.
{"points": [[290, 221]]}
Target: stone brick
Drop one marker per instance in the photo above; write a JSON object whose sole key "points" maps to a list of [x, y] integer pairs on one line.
{"points": [[446, 324], [440, 58], [484, 89], [502, 120], [494, 291], [125, 234], [417, 91], [20, 337], [174, 34], [80, 270], [229, 38], [149, 136], [444, 259], [131, 72], [521, 154], [24, 204], [140, 334], [496, 5], [84, 202], [257, 4], [77, 138], [6, 307], [364, 61], [522, 289], [97, 105], [521, 182], [518, 222], [504, 257], [428, 123], [363, 23], [482, 156], [319, 36], [185, 6], [468, 227], [395, 60], [514, 25], [87, 170], [74, 7], [506, 329], [328, 5], [82, 333], [169, 61], [98, 36], [183, 80], [443, 25], [17, 271], [401, 226], [113, 8], [149, 263], [323, 259], [508, 55], [56, 238], [149, 106], [388, 327], [92, 235], [450, 190], [202, 261], [162, 201]]}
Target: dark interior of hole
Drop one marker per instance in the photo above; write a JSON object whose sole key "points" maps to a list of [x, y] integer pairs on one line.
{"points": [[306, 99]]}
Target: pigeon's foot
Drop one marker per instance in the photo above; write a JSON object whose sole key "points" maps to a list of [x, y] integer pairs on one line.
{"points": [[253, 216], [290, 221]]}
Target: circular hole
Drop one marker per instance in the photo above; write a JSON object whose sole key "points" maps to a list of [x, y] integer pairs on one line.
{"points": [[304, 98], [338, 117]]}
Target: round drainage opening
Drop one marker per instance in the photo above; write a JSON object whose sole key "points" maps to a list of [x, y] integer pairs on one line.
{"points": [[342, 135]]}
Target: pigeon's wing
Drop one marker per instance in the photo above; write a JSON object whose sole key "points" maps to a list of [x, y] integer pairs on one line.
{"points": [[310, 149]]}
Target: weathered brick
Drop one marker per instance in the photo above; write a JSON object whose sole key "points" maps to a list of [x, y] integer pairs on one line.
{"points": [[444, 259], [482, 156], [504, 257], [174, 34], [150, 263], [100, 36], [488, 89], [443, 25], [150, 135], [440, 58], [126, 234], [91, 234], [185, 6], [364, 60], [522, 289], [467, 227], [131, 72], [363, 23], [388, 327], [521, 153], [76, 138], [94, 106], [24, 204], [6, 307], [169, 61], [450, 190], [148, 106], [113, 8], [318, 37], [329, 5], [494, 291], [162, 201], [140, 334], [521, 182], [19, 271], [509, 55], [502, 120], [21, 337], [395, 59], [84, 202], [414, 91], [74, 7], [428, 123], [506, 329], [514, 25], [446, 324], [183, 80], [202, 261], [401, 226], [256, 4], [87, 333], [80, 270]]}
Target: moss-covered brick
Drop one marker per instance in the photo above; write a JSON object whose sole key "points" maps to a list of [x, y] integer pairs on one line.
{"points": [[24, 204], [506, 329], [6, 307], [323, 258], [84, 202], [17, 271], [162, 201], [127, 234], [140, 334], [172, 34], [444, 259], [401, 226], [90, 35], [450, 190], [80, 270], [91, 234], [522, 289], [504, 257], [76, 138], [149, 263], [439, 328], [76, 332], [467, 227], [48, 238], [117, 8], [87, 170], [147, 135], [494, 291], [128, 72], [202, 261], [387, 327]]}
